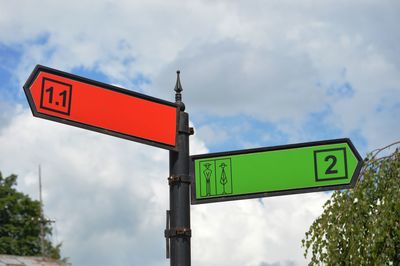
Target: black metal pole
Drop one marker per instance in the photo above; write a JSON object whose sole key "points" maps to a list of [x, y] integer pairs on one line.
{"points": [[178, 230]]}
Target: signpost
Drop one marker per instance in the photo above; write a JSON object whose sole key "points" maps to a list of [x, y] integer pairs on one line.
{"points": [[81, 102], [264, 172], [273, 171]]}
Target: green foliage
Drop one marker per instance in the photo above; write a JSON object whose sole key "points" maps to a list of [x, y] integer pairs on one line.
{"points": [[361, 226], [20, 219]]}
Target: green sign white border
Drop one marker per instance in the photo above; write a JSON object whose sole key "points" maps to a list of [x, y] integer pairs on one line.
{"points": [[351, 184]]}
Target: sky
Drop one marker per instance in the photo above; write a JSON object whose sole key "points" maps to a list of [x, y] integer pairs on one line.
{"points": [[254, 74]]}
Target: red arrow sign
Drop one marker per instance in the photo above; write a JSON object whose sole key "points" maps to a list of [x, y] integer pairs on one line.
{"points": [[85, 103]]}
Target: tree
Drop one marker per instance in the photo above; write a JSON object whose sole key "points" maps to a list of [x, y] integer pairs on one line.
{"points": [[20, 219], [361, 226]]}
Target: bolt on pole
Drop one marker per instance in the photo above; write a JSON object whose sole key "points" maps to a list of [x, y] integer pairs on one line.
{"points": [[178, 232]]}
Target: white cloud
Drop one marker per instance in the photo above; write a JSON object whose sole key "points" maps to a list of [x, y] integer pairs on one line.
{"points": [[279, 64], [109, 196], [214, 133], [251, 233], [273, 61]]}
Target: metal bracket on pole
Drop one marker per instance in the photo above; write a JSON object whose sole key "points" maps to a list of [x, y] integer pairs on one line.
{"points": [[178, 232], [188, 130], [178, 179], [174, 232]]}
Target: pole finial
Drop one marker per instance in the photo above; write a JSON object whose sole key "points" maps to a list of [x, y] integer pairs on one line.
{"points": [[178, 89]]}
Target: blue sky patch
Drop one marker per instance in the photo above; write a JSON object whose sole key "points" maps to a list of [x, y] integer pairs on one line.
{"points": [[341, 89], [318, 128], [9, 58], [90, 74], [237, 132]]}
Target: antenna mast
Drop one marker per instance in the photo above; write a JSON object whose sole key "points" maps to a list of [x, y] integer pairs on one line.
{"points": [[42, 220]]}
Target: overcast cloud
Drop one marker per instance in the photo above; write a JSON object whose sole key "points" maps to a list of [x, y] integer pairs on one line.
{"points": [[109, 200], [254, 74]]}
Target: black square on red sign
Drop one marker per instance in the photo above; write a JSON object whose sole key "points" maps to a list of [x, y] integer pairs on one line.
{"points": [[56, 96]]}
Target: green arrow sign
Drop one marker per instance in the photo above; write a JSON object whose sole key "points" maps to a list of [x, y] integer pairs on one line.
{"points": [[273, 171]]}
